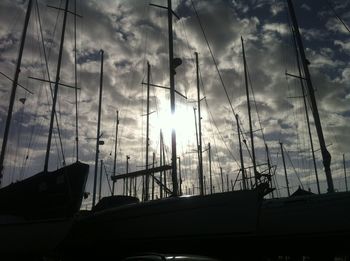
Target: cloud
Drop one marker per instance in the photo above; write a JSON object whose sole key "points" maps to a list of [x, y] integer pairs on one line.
{"points": [[131, 33]]}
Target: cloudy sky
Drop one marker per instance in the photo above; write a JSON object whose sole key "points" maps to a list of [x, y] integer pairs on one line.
{"points": [[131, 32]]}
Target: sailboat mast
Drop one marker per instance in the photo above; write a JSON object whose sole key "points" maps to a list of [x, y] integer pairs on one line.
{"points": [[98, 130], [153, 165], [210, 175], [14, 88], [172, 99], [180, 177], [285, 169], [100, 183], [306, 112], [200, 178], [241, 154], [326, 156], [76, 83], [249, 114], [200, 154], [115, 151], [222, 180], [147, 131], [161, 163], [346, 181], [269, 167], [127, 179], [58, 72]]}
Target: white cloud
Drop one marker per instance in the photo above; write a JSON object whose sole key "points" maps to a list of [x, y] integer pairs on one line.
{"points": [[131, 32]]}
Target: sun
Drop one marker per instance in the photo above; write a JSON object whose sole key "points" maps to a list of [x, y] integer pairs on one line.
{"points": [[183, 122]]}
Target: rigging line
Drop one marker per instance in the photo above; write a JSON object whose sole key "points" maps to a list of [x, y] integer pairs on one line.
{"points": [[337, 16], [31, 140], [109, 185], [217, 69], [76, 83], [20, 130], [256, 107], [213, 58], [35, 116], [295, 122], [156, 105], [296, 173], [48, 75], [223, 140], [190, 56], [208, 109], [145, 9], [54, 32], [297, 53], [303, 160]]}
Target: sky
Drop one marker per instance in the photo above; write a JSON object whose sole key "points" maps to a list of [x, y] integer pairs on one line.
{"points": [[133, 32]]}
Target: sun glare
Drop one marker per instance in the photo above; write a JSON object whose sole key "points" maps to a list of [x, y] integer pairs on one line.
{"points": [[182, 121]]}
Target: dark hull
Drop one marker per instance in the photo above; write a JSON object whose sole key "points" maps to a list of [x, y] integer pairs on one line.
{"points": [[171, 225], [316, 224], [56, 194], [229, 227], [38, 238]]}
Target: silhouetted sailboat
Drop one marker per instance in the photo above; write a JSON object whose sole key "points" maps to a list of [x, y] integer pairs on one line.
{"points": [[36, 213], [207, 223], [303, 217], [157, 225]]}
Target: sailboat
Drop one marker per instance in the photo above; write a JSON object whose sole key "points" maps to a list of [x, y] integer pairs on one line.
{"points": [[303, 217], [36, 213], [176, 223], [206, 224]]}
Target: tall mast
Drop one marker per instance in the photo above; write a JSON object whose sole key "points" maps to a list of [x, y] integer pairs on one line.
{"points": [[147, 131], [346, 181], [172, 99], [222, 180], [161, 162], [269, 166], [180, 177], [210, 175], [249, 114], [153, 162], [53, 110], [241, 154], [127, 171], [14, 88], [115, 151], [326, 156], [98, 130], [306, 112], [285, 169], [200, 155], [200, 178], [76, 83], [100, 183]]}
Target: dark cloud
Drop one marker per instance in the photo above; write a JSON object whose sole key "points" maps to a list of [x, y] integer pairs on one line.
{"points": [[132, 32]]}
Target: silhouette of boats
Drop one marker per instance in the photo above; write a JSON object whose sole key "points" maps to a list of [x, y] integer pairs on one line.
{"points": [[207, 224], [36, 213]]}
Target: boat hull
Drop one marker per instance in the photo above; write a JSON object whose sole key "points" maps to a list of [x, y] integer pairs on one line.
{"points": [[39, 237], [290, 224], [171, 225], [46, 195]]}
